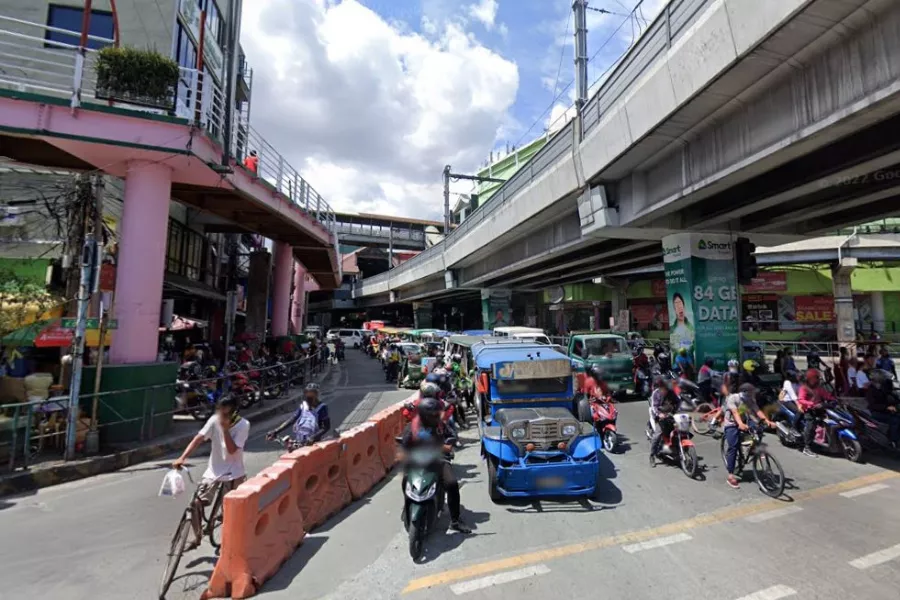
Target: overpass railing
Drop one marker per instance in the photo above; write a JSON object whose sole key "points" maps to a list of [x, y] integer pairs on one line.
{"points": [[379, 231], [673, 21], [30, 61]]}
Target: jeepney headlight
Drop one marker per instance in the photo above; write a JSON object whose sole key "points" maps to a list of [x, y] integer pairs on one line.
{"points": [[518, 433], [569, 430]]}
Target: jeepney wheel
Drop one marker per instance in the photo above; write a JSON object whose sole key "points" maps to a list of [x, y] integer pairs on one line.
{"points": [[584, 411], [493, 486]]}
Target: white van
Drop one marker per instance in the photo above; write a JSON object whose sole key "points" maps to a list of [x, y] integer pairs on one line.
{"points": [[532, 334], [352, 338]]}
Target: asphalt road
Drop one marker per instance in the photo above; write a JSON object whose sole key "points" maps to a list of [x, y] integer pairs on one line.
{"points": [[648, 533], [106, 537]]}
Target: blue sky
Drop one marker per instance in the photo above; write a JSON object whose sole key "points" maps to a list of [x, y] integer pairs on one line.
{"points": [[369, 99]]}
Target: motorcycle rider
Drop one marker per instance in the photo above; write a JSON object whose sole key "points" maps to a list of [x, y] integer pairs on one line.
{"points": [[663, 405], [736, 404], [683, 364], [594, 386], [704, 378], [810, 400], [427, 427], [310, 422], [883, 405]]}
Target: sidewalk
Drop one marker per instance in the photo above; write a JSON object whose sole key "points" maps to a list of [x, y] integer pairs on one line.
{"points": [[183, 430]]}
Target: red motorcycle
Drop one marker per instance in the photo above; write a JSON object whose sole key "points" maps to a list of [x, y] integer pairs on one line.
{"points": [[678, 446], [605, 413]]}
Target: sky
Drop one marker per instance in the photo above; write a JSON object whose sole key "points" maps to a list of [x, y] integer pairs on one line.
{"points": [[369, 99]]}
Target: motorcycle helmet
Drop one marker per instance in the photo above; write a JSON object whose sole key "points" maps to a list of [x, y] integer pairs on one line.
{"points": [[877, 377], [456, 358], [682, 352], [429, 390], [433, 378], [733, 365], [812, 377], [430, 412], [750, 365], [660, 381], [311, 387], [596, 372]]}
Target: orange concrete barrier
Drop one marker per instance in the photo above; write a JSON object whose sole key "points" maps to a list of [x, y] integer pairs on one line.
{"points": [[262, 526], [390, 424], [361, 457], [317, 473]]}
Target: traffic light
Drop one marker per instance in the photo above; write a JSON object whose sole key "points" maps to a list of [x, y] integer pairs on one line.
{"points": [[744, 253]]}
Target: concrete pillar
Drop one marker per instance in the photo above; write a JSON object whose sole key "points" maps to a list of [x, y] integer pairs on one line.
{"points": [[141, 262], [281, 292], [878, 319], [495, 309], [258, 294], [298, 303], [423, 315], [843, 300]]}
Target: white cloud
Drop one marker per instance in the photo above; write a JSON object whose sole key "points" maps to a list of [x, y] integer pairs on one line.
{"points": [[559, 115], [485, 12], [370, 111]]}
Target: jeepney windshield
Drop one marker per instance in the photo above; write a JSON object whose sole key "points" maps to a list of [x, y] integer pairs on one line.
{"points": [[601, 346], [551, 386]]}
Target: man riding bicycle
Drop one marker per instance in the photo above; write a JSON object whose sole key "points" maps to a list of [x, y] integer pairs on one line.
{"points": [[737, 406], [228, 432], [310, 422]]}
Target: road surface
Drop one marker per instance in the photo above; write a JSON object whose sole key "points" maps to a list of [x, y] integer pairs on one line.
{"points": [[649, 533]]}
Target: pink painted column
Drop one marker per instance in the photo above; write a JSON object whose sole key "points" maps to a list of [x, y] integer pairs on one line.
{"points": [[299, 302], [281, 290], [141, 262]]}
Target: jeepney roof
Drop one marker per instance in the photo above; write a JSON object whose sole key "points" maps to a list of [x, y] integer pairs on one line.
{"points": [[597, 334], [488, 354], [478, 332], [469, 340]]}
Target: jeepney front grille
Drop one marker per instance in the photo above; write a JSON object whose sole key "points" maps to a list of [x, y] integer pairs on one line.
{"points": [[544, 434]]}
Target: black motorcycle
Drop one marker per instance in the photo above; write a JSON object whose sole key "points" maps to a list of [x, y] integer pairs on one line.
{"points": [[423, 493]]}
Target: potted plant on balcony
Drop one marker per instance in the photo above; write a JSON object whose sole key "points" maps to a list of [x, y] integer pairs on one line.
{"points": [[142, 77]]}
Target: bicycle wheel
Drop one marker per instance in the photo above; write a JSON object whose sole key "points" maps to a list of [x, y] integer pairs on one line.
{"points": [[700, 422], [214, 522], [768, 474], [179, 540]]}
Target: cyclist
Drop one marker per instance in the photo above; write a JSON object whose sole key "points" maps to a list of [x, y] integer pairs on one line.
{"points": [[310, 422], [228, 432], [428, 428], [736, 407]]}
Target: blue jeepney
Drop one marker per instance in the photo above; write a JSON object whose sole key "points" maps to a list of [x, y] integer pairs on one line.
{"points": [[533, 443]]}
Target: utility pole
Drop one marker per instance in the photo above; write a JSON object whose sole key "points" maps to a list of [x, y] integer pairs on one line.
{"points": [[96, 304], [448, 175], [231, 247], [581, 58], [76, 220]]}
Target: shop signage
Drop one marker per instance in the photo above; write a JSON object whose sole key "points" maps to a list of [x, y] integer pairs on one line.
{"points": [[68, 323], [760, 312], [702, 296], [649, 316], [814, 309], [107, 278], [658, 288], [768, 281]]}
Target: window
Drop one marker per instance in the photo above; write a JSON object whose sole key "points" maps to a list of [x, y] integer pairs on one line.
{"points": [[214, 23], [524, 387], [185, 51], [69, 18]]}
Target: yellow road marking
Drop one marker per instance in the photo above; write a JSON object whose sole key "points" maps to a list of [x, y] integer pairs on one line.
{"points": [[719, 516]]}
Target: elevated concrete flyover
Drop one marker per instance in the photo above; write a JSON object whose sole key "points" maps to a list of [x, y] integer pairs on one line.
{"points": [[773, 118]]}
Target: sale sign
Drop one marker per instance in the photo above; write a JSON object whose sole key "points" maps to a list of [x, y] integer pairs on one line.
{"points": [[814, 309]]}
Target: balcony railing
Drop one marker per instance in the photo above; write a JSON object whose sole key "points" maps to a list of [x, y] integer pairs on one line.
{"points": [[29, 62]]}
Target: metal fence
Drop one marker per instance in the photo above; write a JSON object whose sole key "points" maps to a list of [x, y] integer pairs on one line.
{"points": [[35, 432], [673, 21], [32, 62]]}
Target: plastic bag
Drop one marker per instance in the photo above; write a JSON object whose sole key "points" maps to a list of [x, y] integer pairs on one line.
{"points": [[172, 484]]}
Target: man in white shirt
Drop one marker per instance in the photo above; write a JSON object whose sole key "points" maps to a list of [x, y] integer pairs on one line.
{"points": [[228, 432], [862, 377]]}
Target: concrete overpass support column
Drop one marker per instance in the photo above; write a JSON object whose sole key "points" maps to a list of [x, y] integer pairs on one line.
{"points": [[298, 303], [281, 292], [843, 300], [258, 294], [619, 302], [701, 288], [423, 315], [495, 308], [878, 312], [141, 262]]}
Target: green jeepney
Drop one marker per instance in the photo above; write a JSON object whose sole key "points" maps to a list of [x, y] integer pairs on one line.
{"points": [[610, 351]]}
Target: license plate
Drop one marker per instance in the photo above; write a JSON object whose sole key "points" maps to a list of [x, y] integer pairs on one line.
{"points": [[549, 482]]}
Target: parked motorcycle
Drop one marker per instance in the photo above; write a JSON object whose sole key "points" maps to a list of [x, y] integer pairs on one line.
{"points": [[678, 446], [423, 494], [605, 414], [872, 434], [835, 431], [196, 394]]}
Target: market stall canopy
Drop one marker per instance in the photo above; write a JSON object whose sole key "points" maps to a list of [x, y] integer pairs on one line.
{"points": [[51, 334]]}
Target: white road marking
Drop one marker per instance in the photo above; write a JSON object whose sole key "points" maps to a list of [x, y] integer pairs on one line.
{"points": [[877, 487], [876, 558], [773, 514], [500, 578], [773, 593], [657, 543]]}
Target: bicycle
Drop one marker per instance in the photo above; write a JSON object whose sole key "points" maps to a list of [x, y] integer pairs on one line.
{"points": [[767, 470], [210, 525]]}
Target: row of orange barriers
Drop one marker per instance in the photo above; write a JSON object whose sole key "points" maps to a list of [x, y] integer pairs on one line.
{"points": [[267, 517]]}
